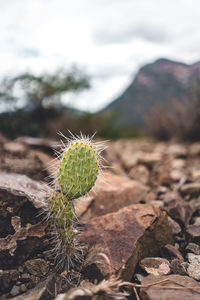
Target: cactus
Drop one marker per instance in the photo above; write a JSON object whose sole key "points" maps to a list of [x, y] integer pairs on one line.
{"points": [[76, 174]]}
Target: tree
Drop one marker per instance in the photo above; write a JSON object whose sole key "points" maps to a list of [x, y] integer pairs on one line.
{"points": [[36, 100], [40, 92]]}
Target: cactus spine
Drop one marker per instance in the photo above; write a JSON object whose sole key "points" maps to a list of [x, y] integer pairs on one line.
{"points": [[76, 175]]}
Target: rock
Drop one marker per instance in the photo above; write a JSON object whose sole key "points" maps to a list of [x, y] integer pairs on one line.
{"points": [[194, 149], [191, 188], [196, 221], [21, 232], [194, 271], [176, 175], [176, 228], [177, 267], [176, 287], [121, 239], [7, 277], [193, 232], [14, 147], [155, 265], [45, 145], [38, 267], [178, 208], [149, 159], [140, 173], [193, 259], [45, 290], [194, 266], [113, 192], [192, 247], [15, 290], [158, 203], [22, 186], [178, 164], [177, 150], [172, 251]]}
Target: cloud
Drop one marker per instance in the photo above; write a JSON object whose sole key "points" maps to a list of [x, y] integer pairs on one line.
{"points": [[148, 32]]}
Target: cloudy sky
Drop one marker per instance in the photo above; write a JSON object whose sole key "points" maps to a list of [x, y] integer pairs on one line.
{"points": [[108, 39]]}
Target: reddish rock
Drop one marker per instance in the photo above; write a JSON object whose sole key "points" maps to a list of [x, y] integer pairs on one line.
{"points": [[176, 287], [124, 238], [113, 192]]}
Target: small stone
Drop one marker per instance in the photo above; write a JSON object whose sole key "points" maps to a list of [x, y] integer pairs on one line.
{"points": [[162, 190], [191, 188], [37, 267], [23, 288], [158, 203], [196, 221], [193, 248], [194, 271], [178, 164], [194, 149], [193, 259], [176, 175], [193, 231], [25, 276], [15, 290], [140, 173], [176, 228], [177, 150], [177, 267], [155, 265]]}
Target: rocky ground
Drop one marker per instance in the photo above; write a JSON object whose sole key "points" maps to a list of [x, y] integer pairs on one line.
{"points": [[140, 225]]}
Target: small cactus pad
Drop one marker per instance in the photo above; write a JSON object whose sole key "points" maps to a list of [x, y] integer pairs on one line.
{"points": [[78, 169], [62, 210]]}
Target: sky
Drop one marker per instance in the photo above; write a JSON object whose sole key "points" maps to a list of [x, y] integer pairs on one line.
{"points": [[107, 39]]}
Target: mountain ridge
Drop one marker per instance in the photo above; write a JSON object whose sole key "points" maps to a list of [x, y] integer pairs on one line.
{"points": [[159, 82]]}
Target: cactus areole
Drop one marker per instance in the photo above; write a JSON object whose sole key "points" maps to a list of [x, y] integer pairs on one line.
{"points": [[78, 169]]}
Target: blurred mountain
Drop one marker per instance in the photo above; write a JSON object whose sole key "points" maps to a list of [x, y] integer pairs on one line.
{"points": [[159, 82]]}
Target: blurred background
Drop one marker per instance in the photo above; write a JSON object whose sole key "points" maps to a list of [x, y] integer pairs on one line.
{"points": [[121, 68]]}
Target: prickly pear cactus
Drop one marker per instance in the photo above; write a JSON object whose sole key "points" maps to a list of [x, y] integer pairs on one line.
{"points": [[63, 211], [76, 175], [78, 169]]}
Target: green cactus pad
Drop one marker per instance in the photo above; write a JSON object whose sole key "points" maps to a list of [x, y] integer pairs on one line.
{"points": [[62, 210], [78, 169]]}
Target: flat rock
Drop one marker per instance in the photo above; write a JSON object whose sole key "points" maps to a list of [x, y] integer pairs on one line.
{"points": [[121, 239], [113, 192], [21, 231], [22, 186], [176, 287], [191, 188], [155, 265]]}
